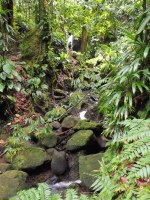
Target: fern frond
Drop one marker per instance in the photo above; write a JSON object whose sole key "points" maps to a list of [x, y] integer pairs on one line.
{"points": [[143, 193], [136, 149], [71, 195], [83, 197], [56, 197], [43, 191]]}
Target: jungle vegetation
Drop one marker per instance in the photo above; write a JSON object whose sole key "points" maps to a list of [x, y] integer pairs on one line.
{"points": [[113, 61]]}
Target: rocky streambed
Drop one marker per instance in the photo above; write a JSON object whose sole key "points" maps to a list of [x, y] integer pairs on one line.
{"points": [[61, 153]]}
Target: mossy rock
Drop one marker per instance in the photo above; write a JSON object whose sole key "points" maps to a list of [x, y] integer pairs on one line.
{"points": [[11, 182], [4, 167], [46, 138], [85, 125], [69, 122], [28, 158], [79, 140], [86, 166]]}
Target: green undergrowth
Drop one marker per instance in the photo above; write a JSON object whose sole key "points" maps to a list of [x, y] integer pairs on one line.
{"points": [[125, 167]]}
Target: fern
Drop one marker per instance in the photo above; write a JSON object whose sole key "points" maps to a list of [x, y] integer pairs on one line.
{"points": [[71, 195], [126, 163], [43, 191]]}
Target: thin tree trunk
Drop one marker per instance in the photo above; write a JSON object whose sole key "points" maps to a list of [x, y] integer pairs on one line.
{"points": [[84, 39]]}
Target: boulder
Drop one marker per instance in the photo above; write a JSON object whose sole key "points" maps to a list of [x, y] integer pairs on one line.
{"points": [[4, 167], [59, 163], [28, 158], [56, 125], [80, 140], [46, 138], [69, 122], [86, 166], [11, 182], [85, 125], [50, 153]]}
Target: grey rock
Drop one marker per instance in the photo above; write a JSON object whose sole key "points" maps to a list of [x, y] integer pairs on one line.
{"points": [[59, 163]]}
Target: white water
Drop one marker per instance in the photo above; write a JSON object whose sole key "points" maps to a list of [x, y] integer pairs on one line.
{"points": [[82, 115], [63, 184]]}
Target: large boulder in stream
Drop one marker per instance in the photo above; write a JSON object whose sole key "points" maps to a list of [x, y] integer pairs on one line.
{"points": [[86, 166], [11, 182], [59, 163], [28, 158], [80, 140], [69, 122]]}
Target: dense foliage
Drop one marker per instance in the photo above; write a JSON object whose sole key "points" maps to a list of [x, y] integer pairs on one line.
{"points": [[113, 60]]}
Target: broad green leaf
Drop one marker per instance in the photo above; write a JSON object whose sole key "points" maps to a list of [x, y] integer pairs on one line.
{"points": [[8, 68], [2, 86], [146, 51], [10, 84], [143, 24], [17, 86], [3, 76]]}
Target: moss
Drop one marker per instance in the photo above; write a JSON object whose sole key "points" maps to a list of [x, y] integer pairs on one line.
{"points": [[79, 140], [84, 125], [29, 157], [69, 122], [86, 166], [46, 138], [11, 182], [4, 167]]}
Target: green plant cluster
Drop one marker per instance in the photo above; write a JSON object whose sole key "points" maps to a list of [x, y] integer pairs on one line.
{"points": [[125, 168], [43, 193]]}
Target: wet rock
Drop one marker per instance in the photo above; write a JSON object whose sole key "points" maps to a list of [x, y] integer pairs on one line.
{"points": [[79, 140], [85, 125], [102, 140], [86, 166], [46, 138], [50, 153], [4, 167], [56, 125], [28, 158], [92, 113], [11, 182], [69, 122], [59, 163]]}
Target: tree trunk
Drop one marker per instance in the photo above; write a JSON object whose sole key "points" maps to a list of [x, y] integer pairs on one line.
{"points": [[84, 39]]}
